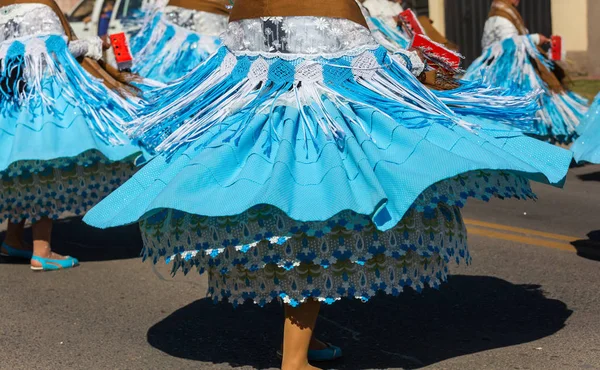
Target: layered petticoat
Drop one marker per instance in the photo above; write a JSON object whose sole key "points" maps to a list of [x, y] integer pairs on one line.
{"points": [[165, 50], [587, 147], [508, 64], [62, 148], [301, 175]]}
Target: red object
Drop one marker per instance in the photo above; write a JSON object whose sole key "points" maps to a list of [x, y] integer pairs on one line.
{"points": [[439, 53], [556, 50], [409, 18], [121, 50]]}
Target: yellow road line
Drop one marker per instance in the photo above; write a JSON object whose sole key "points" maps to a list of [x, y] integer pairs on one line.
{"points": [[472, 230], [520, 230]]}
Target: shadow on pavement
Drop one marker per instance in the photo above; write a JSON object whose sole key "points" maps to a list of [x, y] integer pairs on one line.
{"points": [[75, 238], [469, 314], [589, 248], [593, 176]]}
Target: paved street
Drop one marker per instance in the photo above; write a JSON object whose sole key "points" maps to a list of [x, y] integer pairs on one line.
{"points": [[530, 300]]}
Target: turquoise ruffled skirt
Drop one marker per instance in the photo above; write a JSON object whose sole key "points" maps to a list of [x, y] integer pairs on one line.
{"points": [[320, 178], [62, 148], [587, 147], [507, 64], [517, 109]]}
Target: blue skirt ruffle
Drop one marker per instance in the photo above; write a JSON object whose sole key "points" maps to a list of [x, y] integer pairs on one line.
{"points": [[587, 147]]}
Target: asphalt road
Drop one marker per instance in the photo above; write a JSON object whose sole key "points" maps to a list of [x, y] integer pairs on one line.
{"points": [[530, 300]]}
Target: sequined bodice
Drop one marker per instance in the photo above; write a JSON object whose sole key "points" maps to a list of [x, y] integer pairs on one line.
{"points": [[296, 35], [27, 20], [208, 24]]}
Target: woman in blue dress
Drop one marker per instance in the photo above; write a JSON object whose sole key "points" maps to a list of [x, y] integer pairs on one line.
{"points": [[302, 162], [499, 108], [512, 59], [61, 145]]}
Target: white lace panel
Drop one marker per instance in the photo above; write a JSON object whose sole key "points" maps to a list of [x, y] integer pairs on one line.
{"points": [[296, 35], [27, 20], [204, 23]]}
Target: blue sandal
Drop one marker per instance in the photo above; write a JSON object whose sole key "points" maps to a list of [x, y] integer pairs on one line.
{"points": [[331, 353], [15, 253], [53, 265]]}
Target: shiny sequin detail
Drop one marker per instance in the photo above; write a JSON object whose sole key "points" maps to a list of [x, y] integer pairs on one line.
{"points": [[23, 20], [296, 35]]}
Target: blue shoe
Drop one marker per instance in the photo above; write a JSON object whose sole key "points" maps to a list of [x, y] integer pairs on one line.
{"points": [[330, 353], [52, 265], [8, 251]]}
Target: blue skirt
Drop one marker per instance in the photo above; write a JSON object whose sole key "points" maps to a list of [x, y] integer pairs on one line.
{"points": [[62, 148], [322, 178], [507, 64]]}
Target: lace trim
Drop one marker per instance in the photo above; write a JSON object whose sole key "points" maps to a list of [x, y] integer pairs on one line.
{"points": [[292, 57], [353, 262], [410, 60], [329, 285], [296, 35]]}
